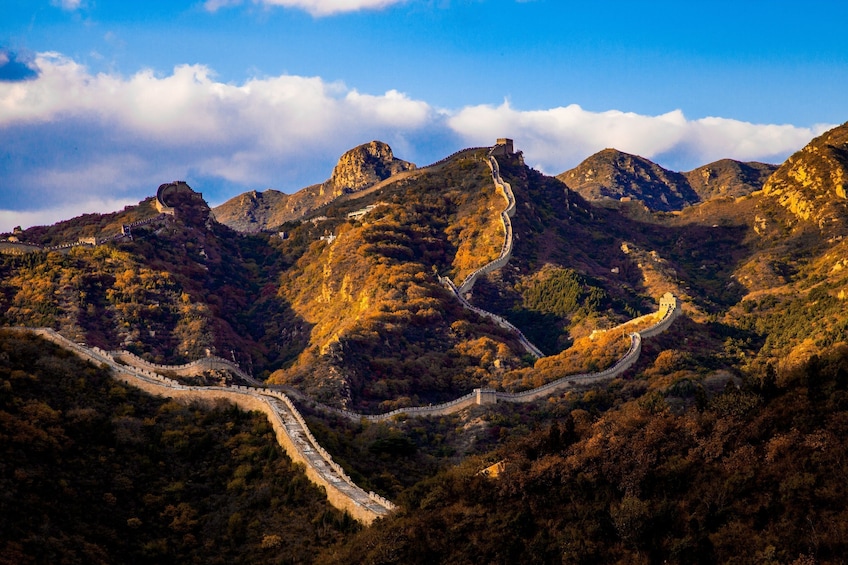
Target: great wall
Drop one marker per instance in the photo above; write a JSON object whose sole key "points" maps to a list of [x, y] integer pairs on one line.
{"points": [[290, 428], [12, 246], [668, 311]]}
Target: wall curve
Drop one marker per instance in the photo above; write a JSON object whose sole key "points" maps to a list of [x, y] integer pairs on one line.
{"points": [[290, 428], [668, 311]]}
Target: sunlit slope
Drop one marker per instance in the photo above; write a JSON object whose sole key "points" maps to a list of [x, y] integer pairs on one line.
{"points": [[381, 326]]}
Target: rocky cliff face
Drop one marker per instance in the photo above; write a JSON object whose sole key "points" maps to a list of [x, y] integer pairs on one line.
{"points": [[254, 211], [813, 183], [356, 170], [614, 174], [365, 166]]}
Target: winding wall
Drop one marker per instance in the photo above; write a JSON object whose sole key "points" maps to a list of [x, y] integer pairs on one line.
{"points": [[506, 250], [289, 426], [18, 248], [210, 363], [668, 311], [503, 258]]}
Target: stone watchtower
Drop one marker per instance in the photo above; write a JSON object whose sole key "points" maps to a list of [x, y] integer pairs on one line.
{"points": [[668, 302], [502, 147], [170, 192]]}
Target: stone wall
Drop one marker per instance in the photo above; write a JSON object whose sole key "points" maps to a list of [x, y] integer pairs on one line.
{"points": [[210, 363], [19, 248], [503, 258], [583, 379], [289, 426], [506, 249], [668, 311]]}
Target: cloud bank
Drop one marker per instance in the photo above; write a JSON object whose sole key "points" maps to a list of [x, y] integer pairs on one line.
{"points": [[559, 138], [75, 141]]}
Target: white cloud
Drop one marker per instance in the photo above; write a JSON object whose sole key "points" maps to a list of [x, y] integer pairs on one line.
{"points": [[559, 138], [188, 107], [95, 132], [317, 8]]}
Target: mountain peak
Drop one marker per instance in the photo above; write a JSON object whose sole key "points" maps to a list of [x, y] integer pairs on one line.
{"points": [[356, 170], [727, 177], [614, 174], [813, 182], [364, 166]]}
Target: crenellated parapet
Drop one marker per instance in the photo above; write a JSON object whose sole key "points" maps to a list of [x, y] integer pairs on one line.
{"points": [[668, 311], [290, 428], [209, 363]]}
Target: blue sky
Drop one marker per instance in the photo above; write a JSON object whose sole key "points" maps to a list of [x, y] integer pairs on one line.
{"points": [[101, 101]]}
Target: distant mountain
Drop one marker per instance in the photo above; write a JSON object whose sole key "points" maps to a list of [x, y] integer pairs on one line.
{"points": [[356, 170], [813, 183], [613, 174], [729, 178]]}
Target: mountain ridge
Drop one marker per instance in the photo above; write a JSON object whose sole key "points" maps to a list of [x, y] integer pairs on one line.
{"points": [[356, 170], [347, 307], [616, 175]]}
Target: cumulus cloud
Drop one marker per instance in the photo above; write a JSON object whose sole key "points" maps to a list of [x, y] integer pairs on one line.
{"points": [[559, 138], [317, 8], [71, 131]]}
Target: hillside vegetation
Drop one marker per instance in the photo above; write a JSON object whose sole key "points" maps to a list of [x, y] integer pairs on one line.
{"points": [[748, 475], [93, 471], [723, 443]]}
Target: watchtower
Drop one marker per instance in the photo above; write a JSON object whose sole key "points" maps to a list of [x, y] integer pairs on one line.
{"points": [[485, 396], [503, 146], [172, 192], [667, 302]]}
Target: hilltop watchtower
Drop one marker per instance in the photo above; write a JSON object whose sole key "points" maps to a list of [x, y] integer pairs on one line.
{"points": [[503, 146], [171, 194]]}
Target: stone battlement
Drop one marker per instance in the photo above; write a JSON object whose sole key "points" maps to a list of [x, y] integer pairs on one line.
{"points": [[289, 426]]}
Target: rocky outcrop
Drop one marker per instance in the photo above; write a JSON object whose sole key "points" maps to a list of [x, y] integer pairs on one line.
{"points": [[255, 211], [813, 183], [358, 169], [364, 166]]}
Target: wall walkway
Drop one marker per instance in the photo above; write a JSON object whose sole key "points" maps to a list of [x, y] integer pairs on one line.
{"points": [[289, 426], [18, 248], [668, 311], [503, 258]]}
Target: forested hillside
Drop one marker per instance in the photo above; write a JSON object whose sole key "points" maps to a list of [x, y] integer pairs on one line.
{"points": [[686, 472], [723, 443], [94, 471]]}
